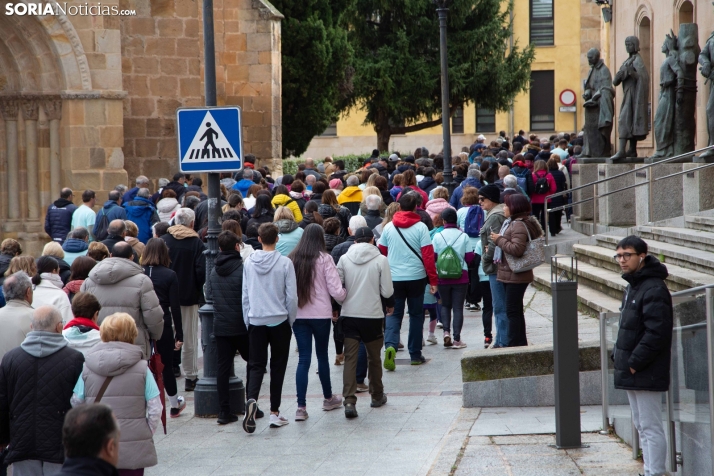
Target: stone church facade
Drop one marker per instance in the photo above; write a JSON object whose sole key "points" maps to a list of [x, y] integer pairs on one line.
{"points": [[89, 102]]}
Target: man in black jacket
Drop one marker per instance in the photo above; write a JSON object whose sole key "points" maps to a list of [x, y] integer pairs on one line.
{"points": [[643, 349], [116, 231], [226, 282], [187, 260], [58, 221], [91, 442], [36, 383]]}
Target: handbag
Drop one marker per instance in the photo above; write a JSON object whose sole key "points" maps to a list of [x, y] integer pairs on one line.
{"points": [[532, 257], [157, 367]]}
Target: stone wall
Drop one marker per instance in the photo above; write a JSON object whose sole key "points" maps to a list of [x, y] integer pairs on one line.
{"points": [[162, 49]]}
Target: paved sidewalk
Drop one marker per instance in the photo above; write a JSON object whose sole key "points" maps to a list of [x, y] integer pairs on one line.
{"points": [[422, 428]]}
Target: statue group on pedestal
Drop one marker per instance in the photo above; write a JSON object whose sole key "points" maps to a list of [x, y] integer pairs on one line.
{"points": [[674, 121]]}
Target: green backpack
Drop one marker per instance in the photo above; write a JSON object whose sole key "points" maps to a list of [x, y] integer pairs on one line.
{"points": [[448, 264]]}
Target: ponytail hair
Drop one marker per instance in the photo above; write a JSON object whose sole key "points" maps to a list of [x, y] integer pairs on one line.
{"points": [[45, 264], [311, 208]]}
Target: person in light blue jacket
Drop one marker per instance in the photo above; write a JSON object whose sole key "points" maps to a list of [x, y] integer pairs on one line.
{"points": [[453, 291], [487, 308], [290, 231]]}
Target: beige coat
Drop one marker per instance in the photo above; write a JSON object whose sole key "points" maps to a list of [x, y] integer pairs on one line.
{"points": [[120, 285], [15, 320], [513, 242], [125, 395]]}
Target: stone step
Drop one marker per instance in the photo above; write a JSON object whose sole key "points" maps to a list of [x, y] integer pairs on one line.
{"points": [[696, 222], [590, 299], [697, 239], [688, 258], [679, 278]]}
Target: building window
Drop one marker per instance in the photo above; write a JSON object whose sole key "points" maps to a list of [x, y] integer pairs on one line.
{"points": [[686, 12], [457, 121], [542, 22], [485, 120], [542, 101], [331, 130]]}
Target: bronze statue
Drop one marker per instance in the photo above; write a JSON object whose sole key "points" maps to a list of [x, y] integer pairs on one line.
{"points": [[633, 123], [706, 59], [664, 117], [685, 106], [599, 108]]}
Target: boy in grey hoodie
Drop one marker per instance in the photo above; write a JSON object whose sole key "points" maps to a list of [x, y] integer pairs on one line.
{"points": [[269, 309]]}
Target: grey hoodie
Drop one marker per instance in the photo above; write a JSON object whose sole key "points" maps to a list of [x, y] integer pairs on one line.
{"points": [[269, 289], [366, 275], [41, 343]]}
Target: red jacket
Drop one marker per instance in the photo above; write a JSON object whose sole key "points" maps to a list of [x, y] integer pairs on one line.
{"points": [[539, 198]]}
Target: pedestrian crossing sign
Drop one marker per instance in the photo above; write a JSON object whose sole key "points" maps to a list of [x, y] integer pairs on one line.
{"points": [[209, 139]]}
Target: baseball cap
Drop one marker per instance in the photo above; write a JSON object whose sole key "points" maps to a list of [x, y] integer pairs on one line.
{"points": [[363, 235]]}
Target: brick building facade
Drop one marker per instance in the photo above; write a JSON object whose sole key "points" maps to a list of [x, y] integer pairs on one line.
{"points": [[89, 102]]}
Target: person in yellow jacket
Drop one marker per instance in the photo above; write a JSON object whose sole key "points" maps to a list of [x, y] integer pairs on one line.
{"points": [[282, 198], [351, 196]]}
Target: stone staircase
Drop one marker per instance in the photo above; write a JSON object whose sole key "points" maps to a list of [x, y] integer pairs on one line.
{"points": [[687, 252]]}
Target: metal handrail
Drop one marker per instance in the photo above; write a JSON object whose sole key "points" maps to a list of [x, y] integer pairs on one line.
{"points": [[594, 185]]}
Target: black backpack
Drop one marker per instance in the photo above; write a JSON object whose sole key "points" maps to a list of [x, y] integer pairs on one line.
{"points": [[541, 186], [100, 229]]}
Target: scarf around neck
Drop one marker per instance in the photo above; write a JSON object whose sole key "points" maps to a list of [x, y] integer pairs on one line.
{"points": [[498, 252]]}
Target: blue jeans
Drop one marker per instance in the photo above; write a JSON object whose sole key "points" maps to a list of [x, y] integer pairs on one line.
{"points": [[408, 294], [304, 330], [361, 363], [498, 297]]}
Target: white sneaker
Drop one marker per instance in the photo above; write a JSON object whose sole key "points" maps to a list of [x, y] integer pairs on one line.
{"points": [[458, 344], [432, 339], [439, 325], [277, 421]]}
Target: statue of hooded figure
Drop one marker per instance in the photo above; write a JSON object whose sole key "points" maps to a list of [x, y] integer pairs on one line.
{"points": [[633, 123]]}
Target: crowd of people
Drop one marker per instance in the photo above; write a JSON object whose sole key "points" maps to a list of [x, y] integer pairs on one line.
{"points": [[324, 251]]}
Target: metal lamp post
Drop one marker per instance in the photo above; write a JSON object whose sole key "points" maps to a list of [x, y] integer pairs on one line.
{"points": [[206, 393], [443, 11]]}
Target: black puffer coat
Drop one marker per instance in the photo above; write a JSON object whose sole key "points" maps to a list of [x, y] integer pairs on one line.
{"points": [[34, 398], [331, 241], [4, 264], [226, 282], [644, 341], [342, 248], [58, 221], [327, 211]]}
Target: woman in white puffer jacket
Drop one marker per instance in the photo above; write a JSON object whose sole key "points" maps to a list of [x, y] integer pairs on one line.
{"points": [[168, 205]]}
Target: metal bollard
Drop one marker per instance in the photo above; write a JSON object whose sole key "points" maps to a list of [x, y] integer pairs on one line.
{"points": [[566, 353]]}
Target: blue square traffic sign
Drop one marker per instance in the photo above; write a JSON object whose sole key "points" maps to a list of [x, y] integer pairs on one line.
{"points": [[209, 139]]}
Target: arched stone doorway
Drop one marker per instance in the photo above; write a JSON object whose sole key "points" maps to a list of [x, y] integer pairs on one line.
{"points": [[58, 128]]}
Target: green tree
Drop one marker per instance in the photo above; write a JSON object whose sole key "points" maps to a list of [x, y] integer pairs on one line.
{"points": [[316, 68], [397, 65]]}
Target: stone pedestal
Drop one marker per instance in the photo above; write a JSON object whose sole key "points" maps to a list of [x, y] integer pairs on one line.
{"points": [[667, 194], [617, 209], [697, 190], [583, 174]]}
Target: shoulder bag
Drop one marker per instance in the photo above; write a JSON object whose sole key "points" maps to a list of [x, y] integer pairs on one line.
{"points": [[533, 257]]}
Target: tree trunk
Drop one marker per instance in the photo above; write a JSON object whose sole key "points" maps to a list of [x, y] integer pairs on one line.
{"points": [[384, 132], [383, 136]]}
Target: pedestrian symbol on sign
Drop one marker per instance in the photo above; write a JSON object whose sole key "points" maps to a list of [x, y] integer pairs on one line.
{"points": [[208, 135], [209, 139]]}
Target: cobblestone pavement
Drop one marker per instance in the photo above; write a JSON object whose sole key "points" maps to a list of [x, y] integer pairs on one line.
{"points": [[422, 429]]}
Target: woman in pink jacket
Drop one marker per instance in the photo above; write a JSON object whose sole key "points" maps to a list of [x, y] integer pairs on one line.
{"points": [[540, 171], [317, 281], [439, 203]]}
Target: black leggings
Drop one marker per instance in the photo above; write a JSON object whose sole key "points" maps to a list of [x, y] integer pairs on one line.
{"points": [[226, 347], [278, 339], [165, 348], [514, 313], [486, 308]]}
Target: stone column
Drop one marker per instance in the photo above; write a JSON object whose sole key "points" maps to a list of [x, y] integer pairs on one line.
{"points": [[31, 113], [9, 108], [53, 111]]}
